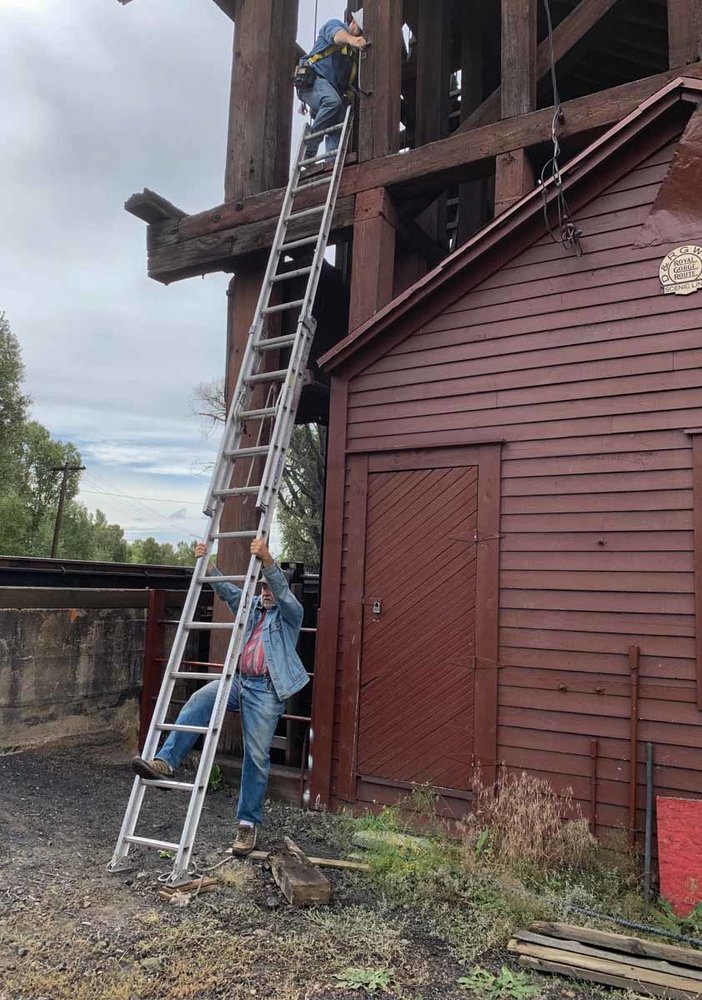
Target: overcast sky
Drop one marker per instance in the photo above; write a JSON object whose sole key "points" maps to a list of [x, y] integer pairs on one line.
{"points": [[97, 101]]}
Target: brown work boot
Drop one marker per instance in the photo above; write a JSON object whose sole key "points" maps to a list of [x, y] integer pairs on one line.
{"points": [[151, 769], [245, 840]]}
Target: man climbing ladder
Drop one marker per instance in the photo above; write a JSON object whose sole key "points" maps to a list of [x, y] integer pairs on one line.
{"points": [[325, 77]]}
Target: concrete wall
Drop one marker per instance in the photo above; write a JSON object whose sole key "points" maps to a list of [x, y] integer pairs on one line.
{"points": [[66, 671]]}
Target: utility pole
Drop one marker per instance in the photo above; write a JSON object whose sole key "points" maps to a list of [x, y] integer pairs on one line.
{"points": [[65, 469]]}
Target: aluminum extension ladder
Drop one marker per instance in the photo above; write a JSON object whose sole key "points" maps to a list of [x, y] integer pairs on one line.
{"points": [[279, 412]]}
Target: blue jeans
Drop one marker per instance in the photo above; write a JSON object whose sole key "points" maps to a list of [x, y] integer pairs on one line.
{"points": [[261, 710], [328, 108]]}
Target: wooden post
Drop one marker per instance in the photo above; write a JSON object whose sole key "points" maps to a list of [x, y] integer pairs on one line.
{"points": [[260, 116], [432, 102], [381, 72], [513, 174], [152, 670], [372, 270], [473, 195], [684, 32]]}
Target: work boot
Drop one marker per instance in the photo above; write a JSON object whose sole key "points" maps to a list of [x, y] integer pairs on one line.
{"points": [[155, 768], [245, 840]]}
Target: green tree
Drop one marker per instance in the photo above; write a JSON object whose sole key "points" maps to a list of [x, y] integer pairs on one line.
{"points": [[13, 403], [301, 497], [40, 484]]}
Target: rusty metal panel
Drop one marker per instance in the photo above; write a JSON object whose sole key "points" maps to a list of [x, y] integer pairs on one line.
{"points": [[418, 652]]}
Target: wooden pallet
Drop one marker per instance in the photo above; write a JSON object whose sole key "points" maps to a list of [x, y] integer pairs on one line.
{"points": [[653, 969]]}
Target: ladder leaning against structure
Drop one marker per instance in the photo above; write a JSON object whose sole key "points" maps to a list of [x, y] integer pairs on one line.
{"points": [[284, 387]]}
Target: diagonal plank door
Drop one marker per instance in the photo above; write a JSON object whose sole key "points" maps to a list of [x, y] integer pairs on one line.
{"points": [[418, 654]]}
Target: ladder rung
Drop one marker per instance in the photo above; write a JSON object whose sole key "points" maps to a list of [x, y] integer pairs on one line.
{"points": [[235, 534], [314, 182], [319, 158], [173, 727], [222, 578], [283, 306], [315, 210], [276, 376], [208, 626], [260, 449], [270, 343], [324, 131], [165, 845], [294, 244], [194, 676], [267, 411], [287, 275], [237, 491], [177, 786]]}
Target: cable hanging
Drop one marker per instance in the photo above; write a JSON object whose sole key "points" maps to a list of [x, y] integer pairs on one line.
{"points": [[568, 233]]}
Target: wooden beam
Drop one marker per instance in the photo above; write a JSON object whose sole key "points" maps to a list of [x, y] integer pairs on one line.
{"points": [[372, 269], [151, 207], [432, 95], [514, 177], [565, 36], [178, 250], [228, 7], [260, 117], [518, 57], [381, 72], [684, 32]]}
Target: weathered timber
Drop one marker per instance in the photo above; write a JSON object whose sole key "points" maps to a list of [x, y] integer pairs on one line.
{"points": [[620, 942], [192, 888], [581, 966], [152, 208], [228, 7], [565, 35], [260, 118], [214, 240], [340, 863], [373, 255], [518, 57], [603, 951], [300, 882], [171, 258], [684, 32], [608, 977], [381, 72]]}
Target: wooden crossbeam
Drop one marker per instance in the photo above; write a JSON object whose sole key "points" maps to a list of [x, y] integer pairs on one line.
{"points": [[684, 32], [214, 240], [565, 35]]}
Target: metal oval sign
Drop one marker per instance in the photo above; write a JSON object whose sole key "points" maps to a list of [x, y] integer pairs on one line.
{"points": [[681, 271]]}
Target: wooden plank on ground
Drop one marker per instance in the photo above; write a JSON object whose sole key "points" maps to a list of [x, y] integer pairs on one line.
{"points": [[582, 965], [340, 863], [620, 942], [625, 958], [299, 880], [607, 979]]}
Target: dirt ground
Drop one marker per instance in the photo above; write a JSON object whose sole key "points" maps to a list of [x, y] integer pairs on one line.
{"points": [[69, 930]]}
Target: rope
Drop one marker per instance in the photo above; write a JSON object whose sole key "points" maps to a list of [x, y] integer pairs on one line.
{"points": [[568, 232]]}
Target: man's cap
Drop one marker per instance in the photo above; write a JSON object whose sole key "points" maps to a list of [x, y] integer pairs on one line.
{"points": [[357, 16]]}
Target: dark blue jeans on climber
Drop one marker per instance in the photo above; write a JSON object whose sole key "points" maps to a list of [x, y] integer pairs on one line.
{"points": [[327, 107], [261, 709]]}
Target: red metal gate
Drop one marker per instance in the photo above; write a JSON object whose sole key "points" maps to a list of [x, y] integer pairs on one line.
{"points": [[416, 719]]}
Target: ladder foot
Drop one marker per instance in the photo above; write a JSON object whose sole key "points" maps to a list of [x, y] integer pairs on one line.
{"points": [[123, 864]]}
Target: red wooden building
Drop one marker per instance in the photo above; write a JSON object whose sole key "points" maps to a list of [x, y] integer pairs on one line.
{"points": [[513, 555]]}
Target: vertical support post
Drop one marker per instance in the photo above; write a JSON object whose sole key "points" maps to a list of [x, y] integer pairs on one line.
{"points": [[634, 740], [473, 195], [381, 74], [432, 103], [152, 669], [684, 32], [513, 174], [372, 269], [260, 110]]}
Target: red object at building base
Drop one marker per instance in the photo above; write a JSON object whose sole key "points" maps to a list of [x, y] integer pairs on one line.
{"points": [[680, 852]]}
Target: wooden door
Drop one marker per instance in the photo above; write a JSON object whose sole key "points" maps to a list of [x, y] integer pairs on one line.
{"points": [[416, 702]]}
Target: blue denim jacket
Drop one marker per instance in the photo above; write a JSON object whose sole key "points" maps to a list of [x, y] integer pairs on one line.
{"points": [[281, 630]]}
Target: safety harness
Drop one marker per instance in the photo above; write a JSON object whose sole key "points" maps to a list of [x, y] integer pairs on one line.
{"points": [[305, 75]]}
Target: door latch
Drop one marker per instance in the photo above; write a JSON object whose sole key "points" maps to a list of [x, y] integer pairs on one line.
{"points": [[376, 607]]}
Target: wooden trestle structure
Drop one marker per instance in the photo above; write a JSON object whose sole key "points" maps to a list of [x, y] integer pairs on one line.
{"points": [[454, 129]]}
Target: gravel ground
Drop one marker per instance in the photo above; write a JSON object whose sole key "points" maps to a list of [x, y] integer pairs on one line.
{"points": [[69, 930]]}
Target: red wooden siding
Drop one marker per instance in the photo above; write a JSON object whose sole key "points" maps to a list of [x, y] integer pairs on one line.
{"points": [[589, 375]]}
